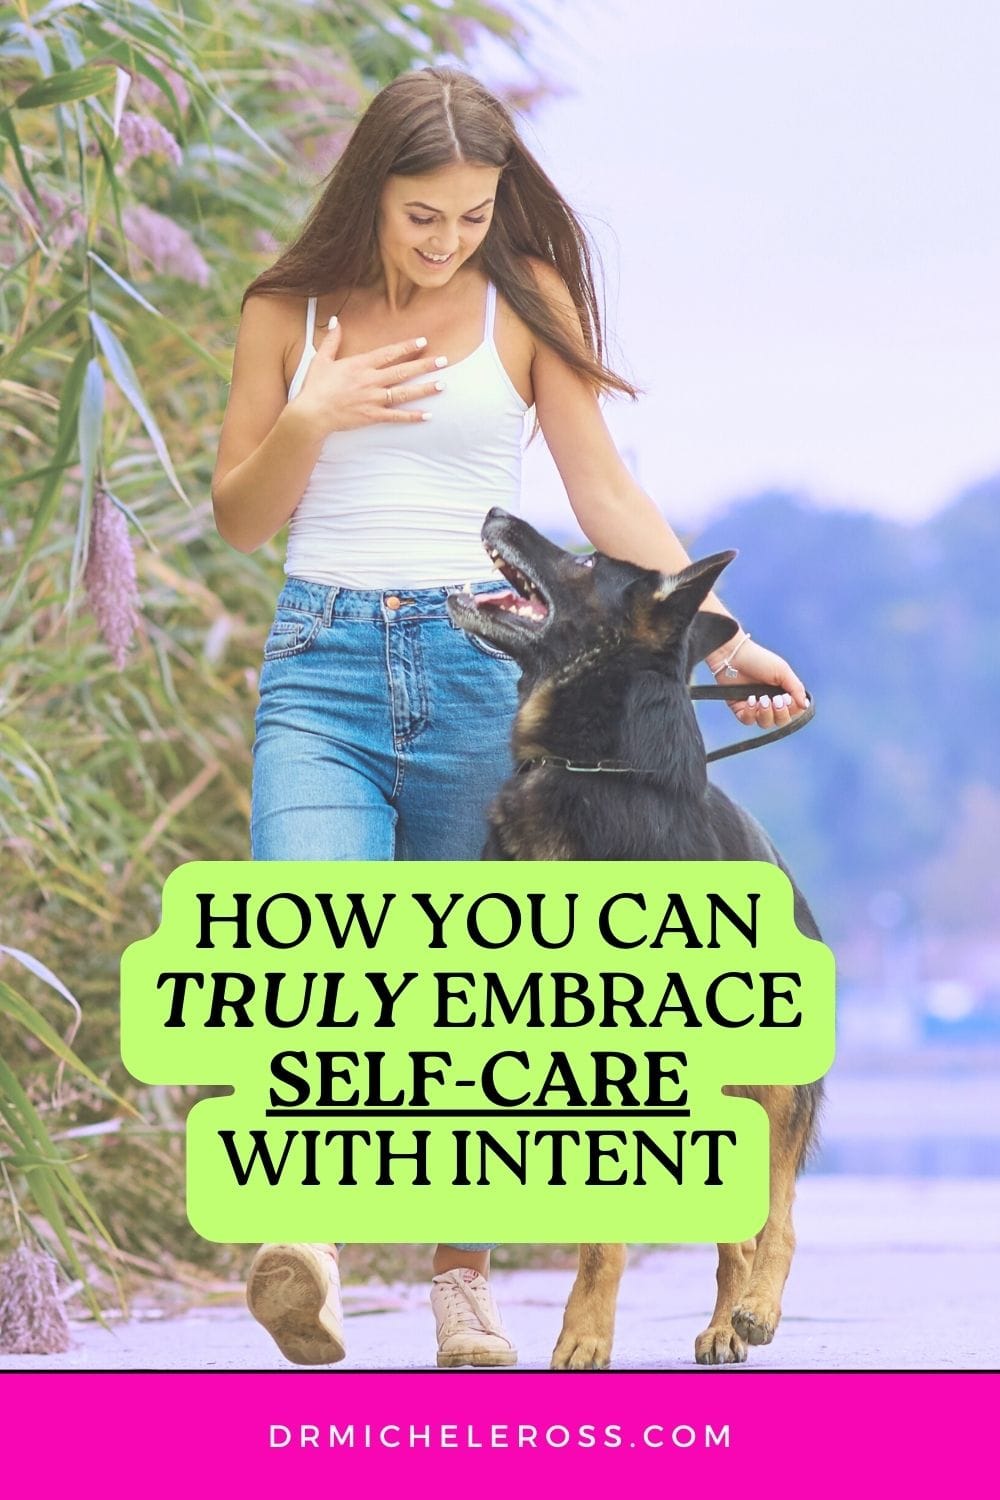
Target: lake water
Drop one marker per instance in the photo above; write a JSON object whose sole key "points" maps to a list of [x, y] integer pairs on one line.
{"points": [[913, 1124]]}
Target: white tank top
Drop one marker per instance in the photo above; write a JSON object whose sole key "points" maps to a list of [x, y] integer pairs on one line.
{"points": [[403, 503]]}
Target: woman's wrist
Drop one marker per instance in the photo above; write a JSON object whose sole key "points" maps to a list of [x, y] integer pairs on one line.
{"points": [[724, 656]]}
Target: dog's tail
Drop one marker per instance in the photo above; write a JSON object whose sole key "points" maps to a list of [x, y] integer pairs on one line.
{"points": [[806, 1115]]}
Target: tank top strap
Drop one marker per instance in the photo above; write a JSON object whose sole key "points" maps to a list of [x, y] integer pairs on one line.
{"points": [[491, 309], [310, 320]]}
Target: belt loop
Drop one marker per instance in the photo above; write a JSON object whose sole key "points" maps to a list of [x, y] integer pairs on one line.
{"points": [[331, 598]]}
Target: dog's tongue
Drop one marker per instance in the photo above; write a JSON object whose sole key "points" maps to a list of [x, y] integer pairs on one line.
{"points": [[499, 601], [514, 602]]}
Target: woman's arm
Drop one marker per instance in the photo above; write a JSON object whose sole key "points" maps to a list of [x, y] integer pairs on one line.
{"points": [[614, 512], [266, 451]]}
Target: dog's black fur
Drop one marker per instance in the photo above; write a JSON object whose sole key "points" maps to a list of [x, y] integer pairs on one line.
{"points": [[606, 650]]}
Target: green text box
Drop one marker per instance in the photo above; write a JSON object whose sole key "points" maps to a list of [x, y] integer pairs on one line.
{"points": [[477, 1051]]}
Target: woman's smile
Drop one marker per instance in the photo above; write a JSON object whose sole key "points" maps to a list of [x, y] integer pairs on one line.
{"points": [[436, 260]]}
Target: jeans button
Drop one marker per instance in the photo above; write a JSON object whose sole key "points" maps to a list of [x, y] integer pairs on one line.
{"points": [[393, 601]]}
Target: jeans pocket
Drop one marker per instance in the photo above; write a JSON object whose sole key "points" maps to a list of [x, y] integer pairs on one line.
{"points": [[292, 632], [486, 647]]}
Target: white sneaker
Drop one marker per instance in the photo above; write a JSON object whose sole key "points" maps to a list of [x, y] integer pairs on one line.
{"points": [[469, 1330], [294, 1292]]}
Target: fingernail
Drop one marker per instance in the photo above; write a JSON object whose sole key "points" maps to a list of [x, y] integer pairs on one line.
{"points": [[764, 702], [752, 699], [439, 385], [441, 361], [426, 416], [333, 322], [421, 343]]}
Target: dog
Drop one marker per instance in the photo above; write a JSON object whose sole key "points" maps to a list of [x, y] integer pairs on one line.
{"points": [[606, 650]]}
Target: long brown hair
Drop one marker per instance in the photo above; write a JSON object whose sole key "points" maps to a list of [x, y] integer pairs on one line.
{"points": [[418, 123]]}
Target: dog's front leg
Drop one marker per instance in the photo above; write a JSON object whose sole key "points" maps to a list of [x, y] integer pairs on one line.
{"points": [[720, 1344], [588, 1328]]}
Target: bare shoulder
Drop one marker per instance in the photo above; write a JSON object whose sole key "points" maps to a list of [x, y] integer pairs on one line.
{"points": [[271, 310], [274, 325], [521, 350], [548, 279], [551, 284]]}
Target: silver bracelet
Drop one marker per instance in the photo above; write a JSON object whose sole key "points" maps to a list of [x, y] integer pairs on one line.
{"points": [[727, 665]]}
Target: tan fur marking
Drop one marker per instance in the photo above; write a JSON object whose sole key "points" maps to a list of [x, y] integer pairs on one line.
{"points": [[648, 631], [530, 721], [527, 844]]}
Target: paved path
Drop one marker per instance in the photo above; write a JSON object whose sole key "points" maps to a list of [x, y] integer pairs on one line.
{"points": [[889, 1274]]}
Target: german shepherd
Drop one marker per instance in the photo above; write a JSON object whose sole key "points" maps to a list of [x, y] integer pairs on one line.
{"points": [[606, 650]]}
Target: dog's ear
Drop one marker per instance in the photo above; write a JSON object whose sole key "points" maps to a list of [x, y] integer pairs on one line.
{"points": [[683, 592], [709, 631], [666, 609], [678, 596]]}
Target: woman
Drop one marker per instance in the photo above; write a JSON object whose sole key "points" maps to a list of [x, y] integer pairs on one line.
{"points": [[452, 291]]}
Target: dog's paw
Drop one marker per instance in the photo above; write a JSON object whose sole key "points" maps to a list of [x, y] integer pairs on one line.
{"points": [[581, 1351], [720, 1346], [756, 1321]]}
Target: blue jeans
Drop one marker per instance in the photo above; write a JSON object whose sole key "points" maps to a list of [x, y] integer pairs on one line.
{"points": [[383, 730]]}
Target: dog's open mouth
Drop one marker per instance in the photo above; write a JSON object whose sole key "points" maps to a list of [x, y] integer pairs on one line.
{"points": [[512, 618], [525, 599]]}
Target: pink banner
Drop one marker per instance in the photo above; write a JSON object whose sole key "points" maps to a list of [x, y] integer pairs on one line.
{"points": [[484, 1433]]}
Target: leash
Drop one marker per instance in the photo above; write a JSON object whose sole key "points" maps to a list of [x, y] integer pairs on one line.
{"points": [[732, 692], [728, 692]]}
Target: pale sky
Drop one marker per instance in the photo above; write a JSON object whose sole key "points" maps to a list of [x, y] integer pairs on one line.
{"points": [[798, 207]]}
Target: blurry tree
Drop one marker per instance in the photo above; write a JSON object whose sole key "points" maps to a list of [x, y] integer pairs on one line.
{"points": [[153, 156]]}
